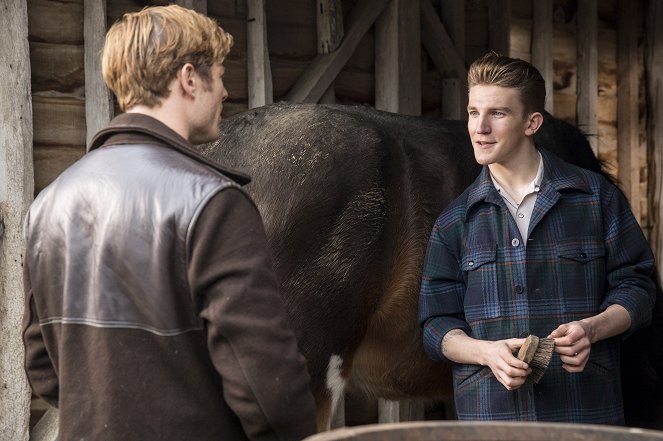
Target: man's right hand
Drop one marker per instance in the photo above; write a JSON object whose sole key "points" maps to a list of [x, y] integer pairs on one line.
{"points": [[508, 369], [497, 355]]}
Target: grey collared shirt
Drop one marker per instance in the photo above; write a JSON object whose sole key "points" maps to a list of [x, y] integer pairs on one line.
{"points": [[522, 213]]}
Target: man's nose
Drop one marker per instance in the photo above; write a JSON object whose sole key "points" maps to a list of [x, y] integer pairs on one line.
{"points": [[482, 125]]}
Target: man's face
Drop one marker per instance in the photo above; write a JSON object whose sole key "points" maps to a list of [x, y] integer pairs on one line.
{"points": [[497, 123], [209, 105]]}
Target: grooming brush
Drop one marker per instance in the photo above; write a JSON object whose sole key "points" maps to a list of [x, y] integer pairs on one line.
{"points": [[536, 352]]}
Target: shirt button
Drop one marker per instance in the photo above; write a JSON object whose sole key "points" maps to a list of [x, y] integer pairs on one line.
{"points": [[515, 242], [519, 289], [470, 263], [521, 215]]}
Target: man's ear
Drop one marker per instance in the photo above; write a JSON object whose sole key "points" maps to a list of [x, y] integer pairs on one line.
{"points": [[187, 79], [534, 122]]}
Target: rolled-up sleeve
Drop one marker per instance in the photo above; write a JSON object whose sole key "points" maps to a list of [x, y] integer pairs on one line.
{"points": [[441, 296], [629, 263]]}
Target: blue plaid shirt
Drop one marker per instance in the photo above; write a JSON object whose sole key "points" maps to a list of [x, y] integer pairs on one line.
{"points": [[585, 251]]}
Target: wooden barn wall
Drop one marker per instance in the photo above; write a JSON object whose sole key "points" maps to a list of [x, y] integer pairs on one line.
{"points": [[56, 52]]}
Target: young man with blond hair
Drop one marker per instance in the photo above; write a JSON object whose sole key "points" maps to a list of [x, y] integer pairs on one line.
{"points": [[152, 309], [534, 246]]}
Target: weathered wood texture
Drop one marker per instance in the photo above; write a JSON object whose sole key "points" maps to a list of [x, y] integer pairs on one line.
{"points": [[258, 65], [587, 69], [654, 60], [542, 39], [487, 431], [98, 99], [627, 104], [397, 58], [454, 92], [17, 181]]}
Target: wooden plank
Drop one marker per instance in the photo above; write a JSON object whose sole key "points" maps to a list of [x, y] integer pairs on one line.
{"points": [[542, 34], [257, 57], [587, 82], [388, 411], [50, 161], [627, 105], [329, 21], [58, 120], [98, 99], [196, 5], [438, 44], [58, 67], [454, 92], [16, 188], [398, 58], [324, 69], [499, 26], [56, 22], [654, 78]]}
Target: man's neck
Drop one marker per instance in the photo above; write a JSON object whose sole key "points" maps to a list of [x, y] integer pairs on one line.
{"points": [[517, 173], [166, 112]]}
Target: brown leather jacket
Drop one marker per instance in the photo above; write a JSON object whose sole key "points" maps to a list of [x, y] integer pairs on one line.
{"points": [[152, 310]]}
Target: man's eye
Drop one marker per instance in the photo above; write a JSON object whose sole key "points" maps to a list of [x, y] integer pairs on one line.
{"points": [[499, 114], [473, 113]]}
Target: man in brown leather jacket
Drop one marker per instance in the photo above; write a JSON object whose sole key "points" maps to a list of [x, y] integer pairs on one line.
{"points": [[152, 309]]}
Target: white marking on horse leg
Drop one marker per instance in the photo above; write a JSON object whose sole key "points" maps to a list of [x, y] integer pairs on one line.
{"points": [[336, 387]]}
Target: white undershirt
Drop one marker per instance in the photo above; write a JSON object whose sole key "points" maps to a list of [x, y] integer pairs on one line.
{"points": [[522, 213]]}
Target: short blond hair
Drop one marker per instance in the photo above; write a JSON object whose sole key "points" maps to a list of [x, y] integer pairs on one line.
{"points": [[144, 50], [493, 69]]}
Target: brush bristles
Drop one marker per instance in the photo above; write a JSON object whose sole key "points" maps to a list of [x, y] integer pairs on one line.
{"points": [[541, 359]]}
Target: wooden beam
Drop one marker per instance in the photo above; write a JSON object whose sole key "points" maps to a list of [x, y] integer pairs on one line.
{"points": [[587, 70], [398, 58], [438, 44], [196, 5], [98, 99], [454, 91], [319, 75], [542, 54], [16, 196], [627, 104], [259, 70], [329, 22], [654, 78], [499, 26]]}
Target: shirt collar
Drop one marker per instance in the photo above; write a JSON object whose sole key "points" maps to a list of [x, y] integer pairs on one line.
{"points": [[556, 174], [533, 186], [137, 128]]}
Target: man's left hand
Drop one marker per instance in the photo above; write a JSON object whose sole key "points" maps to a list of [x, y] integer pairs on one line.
{"points": [[573, 344]]}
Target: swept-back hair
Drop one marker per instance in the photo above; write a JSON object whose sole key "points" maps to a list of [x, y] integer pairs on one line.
{"points": [[144, 50], [493, 69]]}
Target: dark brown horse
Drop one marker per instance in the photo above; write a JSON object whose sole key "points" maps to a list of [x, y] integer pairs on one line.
{"points": [[348, 196]]}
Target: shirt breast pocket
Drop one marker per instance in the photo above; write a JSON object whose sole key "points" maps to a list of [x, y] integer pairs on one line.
{"points": [[481, 295], [582, 271]]}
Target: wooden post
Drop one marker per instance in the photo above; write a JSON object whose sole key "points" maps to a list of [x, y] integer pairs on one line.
{"points": [[654, 65], [98, 99], [398, 58], [259, 69], [542, 55], [196, 5], [499, 26], [454, 92], [319, 75], [16, 163], [438, 44], [587, 76], [627, 104], [329, 21]]}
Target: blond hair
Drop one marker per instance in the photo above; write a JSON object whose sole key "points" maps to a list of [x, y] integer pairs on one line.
{"points": [[493, 69], [144, 50]]}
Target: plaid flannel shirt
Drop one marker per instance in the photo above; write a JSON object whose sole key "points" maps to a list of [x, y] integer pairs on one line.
{"points": [[585, 251]]}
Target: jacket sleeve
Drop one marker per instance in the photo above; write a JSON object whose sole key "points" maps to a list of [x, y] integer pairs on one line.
{"points": [[629, 264], [441, 305], [38, 366], [265, 378]]}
